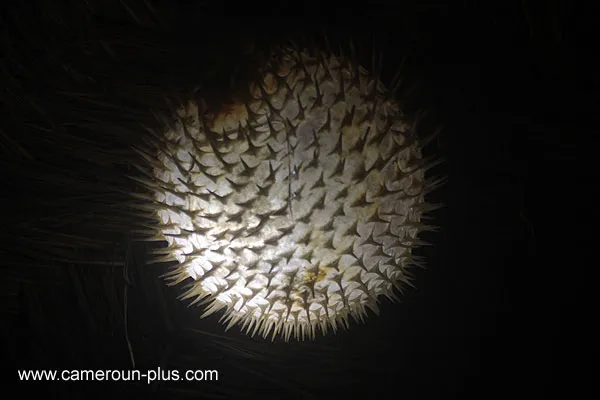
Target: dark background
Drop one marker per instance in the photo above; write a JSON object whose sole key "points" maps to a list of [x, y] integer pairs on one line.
{"points": [[493, 315]]}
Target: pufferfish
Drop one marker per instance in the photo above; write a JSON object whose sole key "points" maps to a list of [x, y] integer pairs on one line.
{"points": [[294, 208]]}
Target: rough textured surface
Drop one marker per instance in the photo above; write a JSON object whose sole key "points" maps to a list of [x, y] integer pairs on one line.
{"points": [[508, 81], [298, 207]]}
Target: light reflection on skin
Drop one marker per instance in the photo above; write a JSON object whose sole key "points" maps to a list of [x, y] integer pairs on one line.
{"points": [[298, 209]]}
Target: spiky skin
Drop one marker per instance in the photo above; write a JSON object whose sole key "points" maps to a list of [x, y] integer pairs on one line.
{"points": [[297, 208]]}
